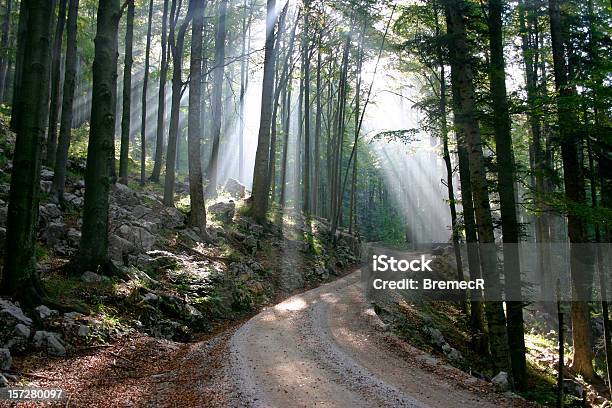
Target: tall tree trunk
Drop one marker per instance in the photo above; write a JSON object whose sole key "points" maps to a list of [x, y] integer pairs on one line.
{"points": [[217, 100], [126, 117], [317, 143], [61, 158], [145, 86], [286, 126], [246, 29], [161, 101], [93, 250], [4, 43], [468, 124], [22, 31], [261, 178], [176, 42], [56, 79], [197, 217], [505, 171], [581, 260], [306, 63], [19, 277]]}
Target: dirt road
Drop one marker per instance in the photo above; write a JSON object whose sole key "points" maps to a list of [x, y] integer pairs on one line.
{"points": [[325, 348]]}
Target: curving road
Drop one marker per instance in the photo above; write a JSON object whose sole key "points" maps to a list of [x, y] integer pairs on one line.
{"points": [[325, 348]]}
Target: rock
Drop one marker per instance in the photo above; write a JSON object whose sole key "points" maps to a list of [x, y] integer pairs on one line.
{"points": [[223, 211], [150, 297], [91, 277], [3, 381], [437, 250], [52, 210], [5, 359], [573, 387], [235, 188], [83, 330], [22, 330], [46, 186], [124, 195], [12, 314], [452, 353], [54, 233], [172, 218], [49, 342], [46, 174], [73, 237], [44, 312], [500, 382], [118, 247], [436, 336], [138, 236]]}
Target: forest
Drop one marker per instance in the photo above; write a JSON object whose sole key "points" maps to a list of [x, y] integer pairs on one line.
{"points": [[192, 189]]}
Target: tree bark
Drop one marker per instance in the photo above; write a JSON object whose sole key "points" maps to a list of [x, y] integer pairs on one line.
{"points": [[468, 124], [197, 216], [176, 42], [306, 203], [505, 174], [126, 117], [61, 158], [20, 277], [93, 250], [161, 100], [261, 178], [4, 58], [22, 31], [145, 86], [573, 177], [217, 99]]}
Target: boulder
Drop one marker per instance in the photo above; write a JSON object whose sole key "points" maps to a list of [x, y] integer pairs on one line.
{"points": [[54, 233], [12, 314], [124, 195], [573, 387], [452, 353], [139, 237], [172, 218], [73, 236], [91, 277], [436, 336], [5, 359], [49, 342], [46, 186], [223, 211], [44, 312], [83, 330], [46, 174], [234, 188], [3, 381], [500, 382]]}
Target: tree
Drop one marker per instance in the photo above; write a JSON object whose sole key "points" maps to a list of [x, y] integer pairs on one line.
{"points": [[306, 67], [261, 179], [161, 101], [464, 110], [127, 94], [176, 41], [19, 277], [55, 83], [93, 249], [217, 99], [145, 85], [61, 158], [573, 177], [506, 172], [4, 43], [19, 55], [197, 216]]}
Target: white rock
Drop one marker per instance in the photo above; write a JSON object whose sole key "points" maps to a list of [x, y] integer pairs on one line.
{"points": [[83, 330], [500, 381], [44, 312], [49, 342], [91, 277]]}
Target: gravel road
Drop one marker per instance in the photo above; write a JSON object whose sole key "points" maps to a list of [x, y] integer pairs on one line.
{"points": [[326, 348]]}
